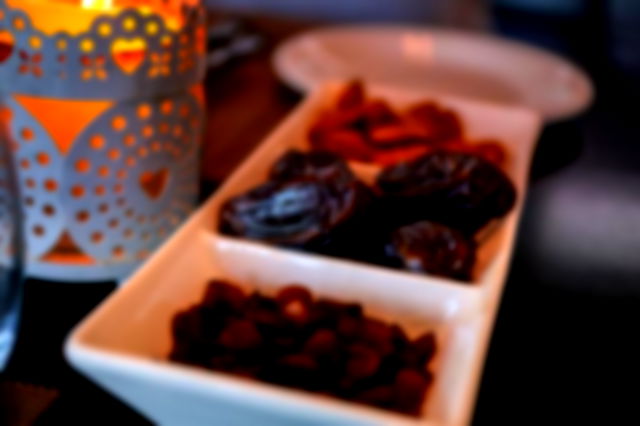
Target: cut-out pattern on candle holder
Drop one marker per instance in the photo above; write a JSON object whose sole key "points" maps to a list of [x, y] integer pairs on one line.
{"points": [[122, 56], [105, 128]]}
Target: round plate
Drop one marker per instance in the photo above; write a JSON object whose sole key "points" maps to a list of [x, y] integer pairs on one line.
{"points": [[447, 61]]}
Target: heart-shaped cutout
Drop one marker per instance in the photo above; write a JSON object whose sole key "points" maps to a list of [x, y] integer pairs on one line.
{"points": [[154, 183], [6, 45], [129, 54]]}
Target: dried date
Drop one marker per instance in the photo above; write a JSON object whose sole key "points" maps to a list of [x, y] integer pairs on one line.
{"points": [[295, 213], [434, 249], [315, 165], [457, 189]]}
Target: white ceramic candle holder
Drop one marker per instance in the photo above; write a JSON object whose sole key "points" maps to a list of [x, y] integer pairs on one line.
{"points": [[105, 124]]}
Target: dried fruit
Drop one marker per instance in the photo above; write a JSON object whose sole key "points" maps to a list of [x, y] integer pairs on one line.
{"points": [[425, 346], [488, 149], [394, 136], [296, 311], [400, 154], [220, 292], [352, 96], [434, 249], [460, 190], [348, 326], [377, 334], [350, 143], [379, 396], [322, 342], [369, 130], [363, 362], [409, 389], [293, 293], [240, 334], [436, 123], [296, 213], [337, 351], [378, 113], [316, 165], [491, 151]]}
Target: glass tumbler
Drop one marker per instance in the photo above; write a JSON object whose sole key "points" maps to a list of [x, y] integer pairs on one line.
{"points": [[11, 252]]}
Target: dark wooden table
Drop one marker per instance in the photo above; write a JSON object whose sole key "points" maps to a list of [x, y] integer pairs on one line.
{"points": [[564, 339]]}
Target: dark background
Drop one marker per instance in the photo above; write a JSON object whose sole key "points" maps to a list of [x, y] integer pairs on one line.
{"points": [[564, 348]]}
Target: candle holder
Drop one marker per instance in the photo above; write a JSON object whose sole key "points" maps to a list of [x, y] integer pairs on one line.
{"points": [[104, 114]]}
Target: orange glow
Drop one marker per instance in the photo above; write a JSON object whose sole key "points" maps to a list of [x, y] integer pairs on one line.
{"points": [[97, 4], [76, 16], [54, 113], [66, 251]]}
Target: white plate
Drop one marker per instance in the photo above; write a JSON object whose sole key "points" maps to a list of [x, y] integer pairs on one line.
{"points": [[123, 345], [445, 61]]}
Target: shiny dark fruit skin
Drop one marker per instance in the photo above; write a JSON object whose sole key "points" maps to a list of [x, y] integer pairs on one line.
{"points": [[432, 248], [457, 189], [306, 214], [315, 165]]}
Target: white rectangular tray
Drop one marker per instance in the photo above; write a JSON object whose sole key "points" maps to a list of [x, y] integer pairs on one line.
{"points": [[123, 345]]}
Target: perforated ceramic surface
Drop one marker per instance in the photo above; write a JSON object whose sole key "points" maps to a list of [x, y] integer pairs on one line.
{"points": [[131, 177], [105, 122], [39, 166], [133, 53], [7, 221]]}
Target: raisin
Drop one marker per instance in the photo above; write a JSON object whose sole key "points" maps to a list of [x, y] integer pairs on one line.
{"points": [[187, 323], [295, 340], [241, 334], [296, 311], [326, 313], [323, 341], [223, 362], [292, 293], [299, 362], [378, 334], [380, 396], [352, 309], [399, 337], [425, 346], [298, 370], [363, 362], [409, 390], [222, 292]]}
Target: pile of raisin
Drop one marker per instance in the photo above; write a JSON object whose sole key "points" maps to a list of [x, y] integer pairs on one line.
{"points": [[317, 345]]}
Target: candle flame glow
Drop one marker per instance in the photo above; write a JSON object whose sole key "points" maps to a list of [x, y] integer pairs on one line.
{"points": [[97, 4]]}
